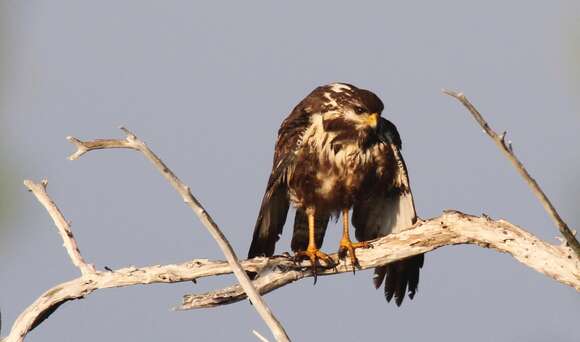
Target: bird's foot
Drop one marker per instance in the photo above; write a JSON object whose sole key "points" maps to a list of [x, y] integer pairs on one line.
{"points": [[314, 254], [347, 246]]}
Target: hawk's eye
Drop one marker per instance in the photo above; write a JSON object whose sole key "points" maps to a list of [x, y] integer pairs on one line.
{"points": [[359, 110]]}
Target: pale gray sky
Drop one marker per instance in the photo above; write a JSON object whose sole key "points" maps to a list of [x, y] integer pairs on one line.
{"points": [[206, 85]]}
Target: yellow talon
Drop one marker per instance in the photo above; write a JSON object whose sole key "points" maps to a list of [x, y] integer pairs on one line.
{"points": [[346, 245]]}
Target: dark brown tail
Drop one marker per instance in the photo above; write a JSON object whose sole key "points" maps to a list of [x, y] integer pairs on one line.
{"points": [[400, 276]]}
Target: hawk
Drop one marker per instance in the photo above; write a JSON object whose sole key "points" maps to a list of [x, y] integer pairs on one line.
{"points": [[335, 153]]}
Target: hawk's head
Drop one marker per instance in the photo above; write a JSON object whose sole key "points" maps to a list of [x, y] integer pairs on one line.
{"points": [[345, 108]]}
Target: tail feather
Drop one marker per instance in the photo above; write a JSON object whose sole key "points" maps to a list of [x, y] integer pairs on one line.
{"points": [[413, 274], [399, 277], [379, 276], [391, 282]]}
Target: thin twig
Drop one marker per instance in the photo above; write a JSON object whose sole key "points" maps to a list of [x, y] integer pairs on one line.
{"points": [[133, 142], [507, 150], [69, 242], [259, 336], [98, 144]]}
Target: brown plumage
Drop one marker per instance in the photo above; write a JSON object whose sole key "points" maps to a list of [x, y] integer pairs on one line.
{"points": [[335, 153]]}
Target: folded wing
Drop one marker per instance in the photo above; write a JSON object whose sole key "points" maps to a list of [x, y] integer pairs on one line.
{"points": [[390, 210], [275, 203]]}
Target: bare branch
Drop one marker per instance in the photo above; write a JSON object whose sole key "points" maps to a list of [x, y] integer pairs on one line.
{"points": [[259, 336], [98, 144], [132, 142], [451, 228], [69, 242], [509, 153], [83, 286]]}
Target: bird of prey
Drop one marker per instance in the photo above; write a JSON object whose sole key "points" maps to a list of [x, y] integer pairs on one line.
{"points": [[335, 153]]}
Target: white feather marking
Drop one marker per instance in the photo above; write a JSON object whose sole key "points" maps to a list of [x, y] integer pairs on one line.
{"points": [[339, 87], [401, 214], [315, 137], [391, 215], [331, 102], [336, 88], [327, 186], [401, 178]]}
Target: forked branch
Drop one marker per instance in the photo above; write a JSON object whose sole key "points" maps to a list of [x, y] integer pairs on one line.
{"points": [[132, 142]]}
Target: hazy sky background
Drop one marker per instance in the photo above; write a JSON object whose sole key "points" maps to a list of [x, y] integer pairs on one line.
{"points": [[206, 85]]}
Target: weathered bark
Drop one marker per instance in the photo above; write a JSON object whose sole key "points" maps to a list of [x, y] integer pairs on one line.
{"points": [[452, 228]]}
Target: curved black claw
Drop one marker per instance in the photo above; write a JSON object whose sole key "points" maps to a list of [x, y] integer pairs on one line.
{"points": [[347, 247], [313, 255]]}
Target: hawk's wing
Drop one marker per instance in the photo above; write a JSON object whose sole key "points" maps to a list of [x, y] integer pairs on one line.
{"points": [[390, 210], [275, 203]]}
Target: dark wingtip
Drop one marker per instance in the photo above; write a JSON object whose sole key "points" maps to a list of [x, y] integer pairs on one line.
{"points": [[260, 248], [379, 276], [390, 282], [399, 300], [413, 273], [401, 287], [389, 296], [402, 276]]}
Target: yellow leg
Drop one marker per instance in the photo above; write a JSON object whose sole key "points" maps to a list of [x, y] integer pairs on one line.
{"points": [[311, 227], [346, 245], [312, 252]]}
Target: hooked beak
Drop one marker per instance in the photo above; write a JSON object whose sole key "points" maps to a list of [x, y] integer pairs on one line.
{"points": [[372, 120]]}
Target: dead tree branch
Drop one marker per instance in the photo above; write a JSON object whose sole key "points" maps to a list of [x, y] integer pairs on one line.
{"points": [[452, 228], [507, 150], [69, 242], [132, 142]]}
